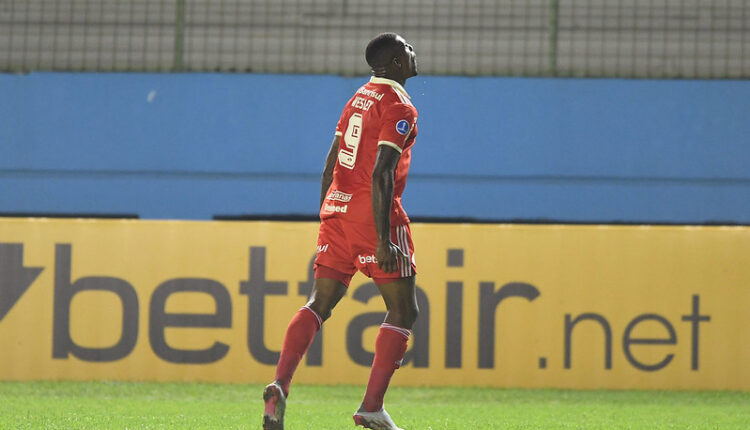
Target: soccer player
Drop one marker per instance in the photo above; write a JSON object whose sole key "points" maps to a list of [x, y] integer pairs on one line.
{"points": [[363, 227]]}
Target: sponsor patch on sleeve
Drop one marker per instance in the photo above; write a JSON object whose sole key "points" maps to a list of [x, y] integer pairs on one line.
{"points": [[402, 127]]}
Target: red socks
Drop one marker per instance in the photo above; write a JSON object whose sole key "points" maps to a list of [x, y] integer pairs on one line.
{"points": [[299, 336], [390, 347]]}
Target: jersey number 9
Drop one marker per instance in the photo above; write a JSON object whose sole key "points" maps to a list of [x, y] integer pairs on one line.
{"points": [[348, 154]]}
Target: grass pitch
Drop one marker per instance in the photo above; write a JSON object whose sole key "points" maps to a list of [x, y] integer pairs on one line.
{"points": [[120, 405]]}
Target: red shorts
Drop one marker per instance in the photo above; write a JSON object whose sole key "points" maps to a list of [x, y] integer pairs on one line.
{"points": [[345, 247]]}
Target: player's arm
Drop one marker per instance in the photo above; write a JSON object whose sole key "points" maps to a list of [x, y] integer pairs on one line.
{"points": [[386, 252], [328, 170]]}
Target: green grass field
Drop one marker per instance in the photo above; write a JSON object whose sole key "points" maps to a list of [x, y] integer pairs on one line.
{"points": [[118, 405]]}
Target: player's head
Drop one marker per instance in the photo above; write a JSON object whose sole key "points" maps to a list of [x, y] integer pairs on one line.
{"points": [[390, 56]]}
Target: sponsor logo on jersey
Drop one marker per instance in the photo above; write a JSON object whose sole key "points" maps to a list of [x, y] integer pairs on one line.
{"points": [[339, 196], [370, 93], [364, 259], [334, 208], [402, 127]]}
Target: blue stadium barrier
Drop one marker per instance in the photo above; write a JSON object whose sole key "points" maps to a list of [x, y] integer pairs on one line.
{"points": [[196, 146]]}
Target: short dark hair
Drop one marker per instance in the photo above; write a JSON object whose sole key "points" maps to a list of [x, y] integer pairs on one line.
{"points": [[381, 50]]}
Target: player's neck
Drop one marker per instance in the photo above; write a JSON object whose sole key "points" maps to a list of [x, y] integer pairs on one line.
{"points": [[383, 73]]}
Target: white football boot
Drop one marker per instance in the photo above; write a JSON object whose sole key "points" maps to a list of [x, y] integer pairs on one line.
{"points": [[379, 420], [273, 417]]}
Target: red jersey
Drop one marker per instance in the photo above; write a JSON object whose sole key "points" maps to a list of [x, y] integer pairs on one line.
{"points": [[379, 113]]}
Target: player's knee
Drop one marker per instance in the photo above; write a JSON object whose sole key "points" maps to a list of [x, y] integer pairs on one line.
{"points": [[321, 307], [406, 315], [412, 314]]}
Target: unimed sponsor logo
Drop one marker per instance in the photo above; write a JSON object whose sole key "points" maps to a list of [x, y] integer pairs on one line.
{"points": [[16, 278], [337, 209]]}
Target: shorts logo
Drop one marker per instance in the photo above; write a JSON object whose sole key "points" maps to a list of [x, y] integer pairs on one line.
{"points": [[322, 248], [364, 259], [402, 127], [339, 196]]}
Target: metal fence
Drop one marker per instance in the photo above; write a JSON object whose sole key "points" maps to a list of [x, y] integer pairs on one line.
{"points": [[611, 38]]}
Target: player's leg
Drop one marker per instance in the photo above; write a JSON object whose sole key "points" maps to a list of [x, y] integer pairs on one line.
{"points": [[399, 293], [400, 297], [390, 345], [333, 272], [326, 293]]}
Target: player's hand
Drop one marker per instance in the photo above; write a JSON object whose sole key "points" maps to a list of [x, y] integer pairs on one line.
{"points": [[388, 255]]}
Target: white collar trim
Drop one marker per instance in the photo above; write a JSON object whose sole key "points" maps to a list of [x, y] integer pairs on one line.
{"points": [[394, 84]]}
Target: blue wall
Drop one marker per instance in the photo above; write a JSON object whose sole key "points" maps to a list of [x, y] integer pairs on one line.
{"points": [[198, 145]]}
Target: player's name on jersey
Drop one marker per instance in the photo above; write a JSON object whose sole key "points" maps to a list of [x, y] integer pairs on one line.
{"points": [[362, 103]]}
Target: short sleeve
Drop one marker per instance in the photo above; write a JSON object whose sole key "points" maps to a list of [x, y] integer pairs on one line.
{"points": [[338, 131], [341, 125], [397, 125]]}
